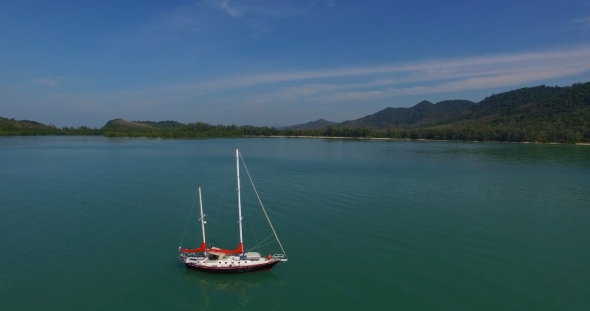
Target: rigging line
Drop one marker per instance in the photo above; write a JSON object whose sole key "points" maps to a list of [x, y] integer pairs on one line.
{"points": [[260, 244], [218, 209], [264, 210], [189, 218], [236, 228], [252, 225]]}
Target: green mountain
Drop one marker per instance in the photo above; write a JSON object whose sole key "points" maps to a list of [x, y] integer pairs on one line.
{"points": [[168, 124], [17, 125], [12, 127], [313, 125], [121, 124], [535, 114], [538, 108], [424, 113]]}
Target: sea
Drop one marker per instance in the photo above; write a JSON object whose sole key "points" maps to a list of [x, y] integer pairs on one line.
{"points": [[95, 223]]}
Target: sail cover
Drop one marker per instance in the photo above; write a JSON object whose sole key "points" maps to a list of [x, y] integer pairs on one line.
{"points": [[238, 250], [200, 249]]}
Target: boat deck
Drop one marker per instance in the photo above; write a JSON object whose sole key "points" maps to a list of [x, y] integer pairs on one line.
{"points": [[230, 264]]}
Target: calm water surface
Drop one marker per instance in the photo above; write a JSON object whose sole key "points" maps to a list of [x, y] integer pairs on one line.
{"points": [[94, 223]]}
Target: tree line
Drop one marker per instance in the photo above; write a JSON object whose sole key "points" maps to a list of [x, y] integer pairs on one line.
{"points": [[508, 132], [465, 133]]}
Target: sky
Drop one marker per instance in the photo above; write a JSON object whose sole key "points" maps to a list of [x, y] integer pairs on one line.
{"points": [[276, 63]]}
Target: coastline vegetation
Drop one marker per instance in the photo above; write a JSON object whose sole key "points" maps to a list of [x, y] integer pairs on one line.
{"points": [[539, 114], [204, 130]]}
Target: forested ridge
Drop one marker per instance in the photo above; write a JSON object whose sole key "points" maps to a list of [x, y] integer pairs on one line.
{"points": [[12, 127], [536, 114]]}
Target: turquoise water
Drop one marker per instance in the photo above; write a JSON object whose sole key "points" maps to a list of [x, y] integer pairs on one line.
{"points": [[94, 223]]}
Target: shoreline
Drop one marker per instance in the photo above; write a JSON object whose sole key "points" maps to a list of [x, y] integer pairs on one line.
{"points": [[420, 139], [319, 137]]}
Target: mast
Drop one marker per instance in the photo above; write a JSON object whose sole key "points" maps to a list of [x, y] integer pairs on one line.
{"points": [[239, 200], [202, 218]]}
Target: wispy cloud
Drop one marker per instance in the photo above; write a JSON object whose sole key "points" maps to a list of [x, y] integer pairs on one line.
{"points": [[508, 69], [268, 9], [230, 9], [53, 81], [46, 81], [218, 18], [582, 22], [289, 91]]}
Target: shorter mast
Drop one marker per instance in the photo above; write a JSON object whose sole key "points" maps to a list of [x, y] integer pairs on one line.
{"points": [[202, 219], [203, 247]]}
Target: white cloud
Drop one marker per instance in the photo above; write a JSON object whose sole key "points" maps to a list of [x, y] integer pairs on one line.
{"points": [[288, 91], [53, 81], [583, 22], [502, 70], [228, 8], [46, 81], [263, 8], [426, 71], [210, 17]]}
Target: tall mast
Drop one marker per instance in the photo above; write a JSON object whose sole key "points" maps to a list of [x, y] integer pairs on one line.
{"points": [[239, 200], [202, 216]]}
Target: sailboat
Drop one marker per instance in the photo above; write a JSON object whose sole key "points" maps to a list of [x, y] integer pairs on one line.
{"points": [[218, 260]]}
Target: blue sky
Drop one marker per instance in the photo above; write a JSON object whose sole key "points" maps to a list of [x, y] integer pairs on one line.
{"points": [[73, 63]]}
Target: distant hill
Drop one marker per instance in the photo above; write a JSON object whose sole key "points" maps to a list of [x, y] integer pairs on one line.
{"points": [[536, 108], [168, 124], [16, 125], [313, 125], [535, 114], [120, 124], [542, 109], [424, 113], [12, 127], [528, 106], [505, 103]]}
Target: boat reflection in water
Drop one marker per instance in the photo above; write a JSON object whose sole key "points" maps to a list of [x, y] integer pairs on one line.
{"points": [[234, 291]]}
